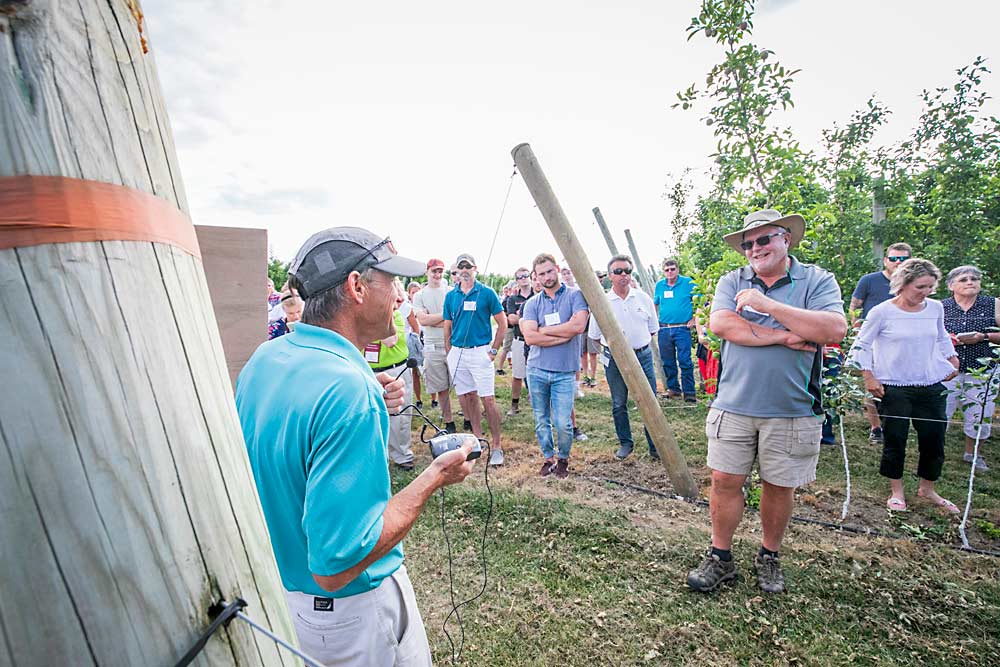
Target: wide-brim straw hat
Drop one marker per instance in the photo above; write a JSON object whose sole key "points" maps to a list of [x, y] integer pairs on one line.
{"points": [[765, 218]]}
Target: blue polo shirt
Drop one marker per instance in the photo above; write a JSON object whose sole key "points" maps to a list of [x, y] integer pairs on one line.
{"points": [[674, 303], [470, 315], [316, 430], [560, 309]]}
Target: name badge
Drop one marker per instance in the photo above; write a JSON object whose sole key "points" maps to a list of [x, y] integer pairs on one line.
{"points": [[468, 305], [371, 352], [552, 319], [668, 294], [605, 357]]}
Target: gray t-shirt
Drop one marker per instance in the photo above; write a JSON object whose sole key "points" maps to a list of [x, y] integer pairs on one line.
{"points": [[431, 300], [774, 380]]}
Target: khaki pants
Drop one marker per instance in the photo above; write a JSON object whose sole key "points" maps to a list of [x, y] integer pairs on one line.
{"points": [[380, 628]]}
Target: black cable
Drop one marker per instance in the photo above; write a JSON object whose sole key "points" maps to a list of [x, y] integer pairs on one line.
{"points": [[222, 619]]}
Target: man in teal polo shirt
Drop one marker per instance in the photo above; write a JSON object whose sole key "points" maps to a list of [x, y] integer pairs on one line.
{"points": [[316, 423], [472, 347], [672, 298]]}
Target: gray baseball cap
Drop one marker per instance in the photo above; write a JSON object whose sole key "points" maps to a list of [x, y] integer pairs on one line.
{"points": [[465, 257], [328, 257]]}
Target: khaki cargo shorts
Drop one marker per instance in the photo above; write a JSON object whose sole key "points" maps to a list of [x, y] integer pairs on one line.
{"points": [[435, 368], [787, 448]]}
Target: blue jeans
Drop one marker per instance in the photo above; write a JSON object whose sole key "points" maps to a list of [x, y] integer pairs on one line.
{"points": [[619, 397], [677, 339], [552, 394]]}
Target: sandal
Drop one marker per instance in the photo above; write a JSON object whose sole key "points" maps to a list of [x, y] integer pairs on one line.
{"points": [[895, 504], [943, 503]]}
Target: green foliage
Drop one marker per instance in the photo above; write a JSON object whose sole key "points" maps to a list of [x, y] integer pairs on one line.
{"points": [[988, 528], [277, 271]]}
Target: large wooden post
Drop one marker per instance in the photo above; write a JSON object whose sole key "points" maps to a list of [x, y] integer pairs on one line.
{"points": [[635, 379], [608, 238], [127, 504]]}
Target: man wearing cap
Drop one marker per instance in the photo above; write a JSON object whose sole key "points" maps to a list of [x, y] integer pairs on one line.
{"points": [[518, 358], [429, 307], [636, 315], [552, 322], [773, 315], [472, 348], [672, 297], [316, 423]]}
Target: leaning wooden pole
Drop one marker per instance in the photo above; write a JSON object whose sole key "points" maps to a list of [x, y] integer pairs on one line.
{"points": [[608, 238], [128, 505], [631, 371], [649, 286]]}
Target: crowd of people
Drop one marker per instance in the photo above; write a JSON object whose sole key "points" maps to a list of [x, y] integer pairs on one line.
{"points": [[321, 441]]}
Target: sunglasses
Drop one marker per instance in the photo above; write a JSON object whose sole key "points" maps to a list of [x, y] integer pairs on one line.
{"points": [[618, 272], [671, 268], [760, 240], [894, 258], [465, 265], [522, 276]]}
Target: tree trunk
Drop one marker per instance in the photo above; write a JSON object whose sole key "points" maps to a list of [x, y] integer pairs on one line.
{"points": [[127, 499]]}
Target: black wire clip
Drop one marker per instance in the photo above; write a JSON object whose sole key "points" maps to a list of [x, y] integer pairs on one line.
{"points": [[222, 619]]}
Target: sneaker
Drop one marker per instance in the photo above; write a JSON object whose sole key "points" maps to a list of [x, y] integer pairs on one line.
{"points": [[406, 467], [672, 394], [711, 573], [434, 403], [769, 576], [690, 398], [496, 457], [514, 409], [501, 371], [623, 452], [579, 435], [654, 455], [548, 467], [562, 468], [592, 383], [579, 392], [875, 436], [420, 404], [980, 462], [467, 426], [450, 427]]}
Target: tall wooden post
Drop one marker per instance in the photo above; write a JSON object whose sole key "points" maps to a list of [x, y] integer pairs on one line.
{"points": [[628, 364], [128, 505], [610, 240], [650, 286], [878, 217]]}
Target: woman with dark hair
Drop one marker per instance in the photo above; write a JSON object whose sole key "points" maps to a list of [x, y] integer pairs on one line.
{"points": [[905, 354], [972, 319]]}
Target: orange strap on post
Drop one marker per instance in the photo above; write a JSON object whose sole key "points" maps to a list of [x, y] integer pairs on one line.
{"points": [[35, 210]]}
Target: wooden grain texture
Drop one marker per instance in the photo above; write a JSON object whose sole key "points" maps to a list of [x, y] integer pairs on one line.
{"points": [[127, 504], [235, 261]]}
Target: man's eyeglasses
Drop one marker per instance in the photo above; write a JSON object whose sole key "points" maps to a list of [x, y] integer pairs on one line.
{"points": [[465, 265], [522, 276], [895, 258], [760, 240], [620, 271]]}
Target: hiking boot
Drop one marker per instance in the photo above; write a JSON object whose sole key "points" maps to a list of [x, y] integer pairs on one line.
{"points": [[875, 436], [769, 575], [496, 457], [548, 467], [434, 403], [690, 398], [467, 426], [514, 409], [562, 469], [623, 452], [450, 427], [500, 371], [711, 573], [980, 462]]}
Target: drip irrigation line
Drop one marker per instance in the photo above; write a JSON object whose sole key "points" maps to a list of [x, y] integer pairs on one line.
{"points": [[849, 528]]}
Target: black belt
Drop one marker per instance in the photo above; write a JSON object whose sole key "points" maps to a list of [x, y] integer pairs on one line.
{"points": [[637, 350], [379, 369], [676, 324]]}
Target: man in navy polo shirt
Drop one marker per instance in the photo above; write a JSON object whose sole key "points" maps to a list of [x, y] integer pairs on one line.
{"points": [[672, 298], [472, 347], [552, 322], [316, 424]]}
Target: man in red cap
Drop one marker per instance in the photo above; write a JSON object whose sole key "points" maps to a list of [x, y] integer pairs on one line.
{"points": [[428, 304]]}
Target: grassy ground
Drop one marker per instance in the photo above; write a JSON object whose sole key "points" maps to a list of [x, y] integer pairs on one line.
{"points": [[582, 572]]}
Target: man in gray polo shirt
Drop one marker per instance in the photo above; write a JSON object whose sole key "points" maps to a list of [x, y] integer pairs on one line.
{"points": [[774, 316], [551, 324]]}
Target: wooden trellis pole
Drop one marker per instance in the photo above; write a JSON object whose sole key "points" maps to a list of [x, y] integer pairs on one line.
{"points": [[128, 505], [635, 379]]}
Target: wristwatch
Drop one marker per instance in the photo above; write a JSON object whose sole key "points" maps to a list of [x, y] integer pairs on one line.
{"points": [[494, 351]]}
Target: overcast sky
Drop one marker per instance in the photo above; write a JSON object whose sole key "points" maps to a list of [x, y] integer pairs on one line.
{"points": [[400, 116]]}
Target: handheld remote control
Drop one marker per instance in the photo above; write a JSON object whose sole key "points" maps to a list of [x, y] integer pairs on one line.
{"points": [[449, 441]]}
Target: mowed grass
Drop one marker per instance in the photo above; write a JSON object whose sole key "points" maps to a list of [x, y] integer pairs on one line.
{"points": [[581, 572]]}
